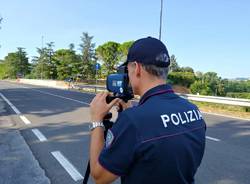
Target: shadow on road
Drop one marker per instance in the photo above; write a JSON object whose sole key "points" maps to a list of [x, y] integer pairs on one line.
{"points": [[226, 161]]}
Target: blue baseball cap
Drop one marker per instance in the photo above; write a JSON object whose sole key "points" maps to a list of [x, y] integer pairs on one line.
{"points": [[148, 51]]}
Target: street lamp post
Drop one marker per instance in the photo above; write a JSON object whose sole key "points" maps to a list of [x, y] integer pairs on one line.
{"points": [[160, 20], [42, 59]]}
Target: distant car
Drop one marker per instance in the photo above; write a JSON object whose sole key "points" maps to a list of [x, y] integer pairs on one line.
{"points": [[68, 79]]}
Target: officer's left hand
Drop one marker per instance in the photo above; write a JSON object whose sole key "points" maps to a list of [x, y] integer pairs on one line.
{"points": [[121, 105], [99, 107]]}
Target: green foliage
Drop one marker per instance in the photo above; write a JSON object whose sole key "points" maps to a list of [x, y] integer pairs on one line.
{"points": [[211, 79], [109, 54], [123, 50], [228, 108], [44, 66], [88, 57], [198, 87], [16, 64], [67, 63], [3, 70], [237, 86], [181, 78], [180, 75], [174, 67], [238, 95], [186, 69], [208, 84]]}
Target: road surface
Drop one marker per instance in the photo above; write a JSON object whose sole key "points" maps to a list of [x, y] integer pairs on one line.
{"points": [[54, 123]]}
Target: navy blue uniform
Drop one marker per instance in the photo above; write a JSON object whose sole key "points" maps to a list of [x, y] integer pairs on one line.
{"points": [[162, 140]]}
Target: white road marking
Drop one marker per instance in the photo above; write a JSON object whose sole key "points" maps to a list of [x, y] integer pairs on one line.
{"points": [[25, 120], [75, 175], [10, 104], [60, 96], [39, 135], [213, 139]]}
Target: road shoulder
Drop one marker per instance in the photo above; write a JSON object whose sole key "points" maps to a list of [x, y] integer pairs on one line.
{"points": [[18, 164]]}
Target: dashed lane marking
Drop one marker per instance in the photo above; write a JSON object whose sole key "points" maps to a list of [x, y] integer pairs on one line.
{"points": [[213, 139], [75, 175], [25, 120], [60, 96], [22, 117], [39, 135], [10, 104]]}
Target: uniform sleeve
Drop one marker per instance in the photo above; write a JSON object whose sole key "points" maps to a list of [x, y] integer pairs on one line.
{"points": [[118, 152]]}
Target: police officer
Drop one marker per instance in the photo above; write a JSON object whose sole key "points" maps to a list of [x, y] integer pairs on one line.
{"points": [[162, 140]]}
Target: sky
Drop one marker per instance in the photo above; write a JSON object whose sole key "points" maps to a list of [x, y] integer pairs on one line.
{"points": [[206, 35]]}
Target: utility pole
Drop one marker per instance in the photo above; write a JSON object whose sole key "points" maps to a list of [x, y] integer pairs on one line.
{"points": [[160, 20], [42, 59], [1, 19]]}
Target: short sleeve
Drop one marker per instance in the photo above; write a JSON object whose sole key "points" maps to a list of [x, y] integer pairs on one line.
{"points": [[118, 152]]}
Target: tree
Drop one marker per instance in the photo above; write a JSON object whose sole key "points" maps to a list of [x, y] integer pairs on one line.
{"points": [[198, 75], [187, 69], [49, 52], [208, 84], [44, 64], [174, 67], [212, 81], [17, 64], [67, 63], [71, 46], [38, 64], [109, 54], [23, 62], [1, 19], [123, 51], [3, 69], [181, 78], [200, 88], [88, 56]]}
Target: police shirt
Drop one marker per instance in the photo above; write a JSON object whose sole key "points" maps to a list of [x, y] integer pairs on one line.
{"points": [[162, 140]]}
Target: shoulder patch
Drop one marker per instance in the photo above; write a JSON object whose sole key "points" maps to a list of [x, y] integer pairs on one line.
{"points": [[109, 138]]}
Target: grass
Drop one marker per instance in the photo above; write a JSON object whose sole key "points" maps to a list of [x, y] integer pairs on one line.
{"points": [[231, 110]]}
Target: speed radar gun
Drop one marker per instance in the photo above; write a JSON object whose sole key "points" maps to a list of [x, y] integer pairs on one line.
{"points": [[118, 85]]}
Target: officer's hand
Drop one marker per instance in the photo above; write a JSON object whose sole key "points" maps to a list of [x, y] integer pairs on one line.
{"points": [[99, 107], [124, 105]]}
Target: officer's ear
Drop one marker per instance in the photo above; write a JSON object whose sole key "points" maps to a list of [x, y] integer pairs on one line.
{"points": [[138, 69]]}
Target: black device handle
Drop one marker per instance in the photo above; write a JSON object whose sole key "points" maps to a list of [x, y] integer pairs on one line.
{"points": [[86, 176], [107, 124]]}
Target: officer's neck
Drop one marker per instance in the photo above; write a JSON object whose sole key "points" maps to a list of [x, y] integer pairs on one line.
{"points": [[149, 84]]}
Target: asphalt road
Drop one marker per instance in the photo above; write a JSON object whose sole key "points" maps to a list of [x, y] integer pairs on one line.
{"points": [[54, 124]]}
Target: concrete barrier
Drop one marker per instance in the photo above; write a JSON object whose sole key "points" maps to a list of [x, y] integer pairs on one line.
{"points": [[47, 83]]}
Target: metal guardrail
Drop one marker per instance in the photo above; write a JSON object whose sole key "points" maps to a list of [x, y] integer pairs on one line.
{"points": [[81, 86], [200, 98], [220, 100]]}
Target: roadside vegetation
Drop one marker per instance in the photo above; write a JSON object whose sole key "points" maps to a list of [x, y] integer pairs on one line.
{"points": [[78, 63], [230, 110]]}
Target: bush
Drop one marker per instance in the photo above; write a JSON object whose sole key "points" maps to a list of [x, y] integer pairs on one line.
{"points": [[201, 88], [238, 95], [181, 78]]}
